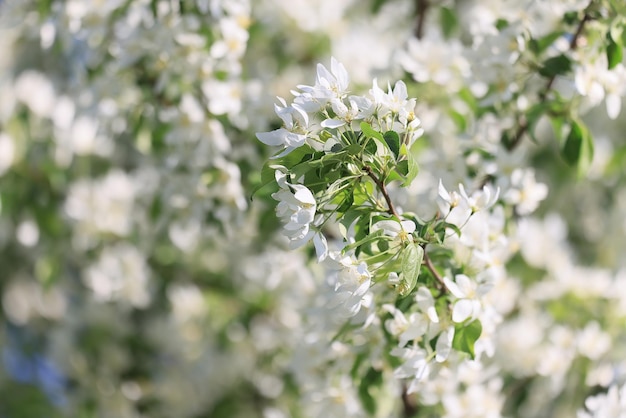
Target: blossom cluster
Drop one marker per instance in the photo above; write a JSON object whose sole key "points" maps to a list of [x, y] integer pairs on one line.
{"points": [[450, 244]]}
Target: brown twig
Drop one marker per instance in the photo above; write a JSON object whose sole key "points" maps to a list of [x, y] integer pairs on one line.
{"points": [[421, 6], [431, 267], [381, 186], [522, 124], [409, 408]]}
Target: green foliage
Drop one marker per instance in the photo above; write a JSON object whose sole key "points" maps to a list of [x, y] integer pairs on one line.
{"points": [[393, 142], [412, 168], [412, 256], [560, 64], [465, 336], [614, 50], [448, 21], [578, 147], [373, 378]]}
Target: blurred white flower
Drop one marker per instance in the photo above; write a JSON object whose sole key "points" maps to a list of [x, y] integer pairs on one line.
{"points": [[103, 205], [525, 193], [415, 366], [120, 274], [405, 329], [606, 405]]}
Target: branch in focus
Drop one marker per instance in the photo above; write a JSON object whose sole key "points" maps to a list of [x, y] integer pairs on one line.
{"points": [[381, 186]]}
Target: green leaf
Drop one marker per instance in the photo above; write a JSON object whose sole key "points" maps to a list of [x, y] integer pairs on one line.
{"points": [[370, 132], [614, 51], [533, 115], [372, 378], [412, 256], [366, 239], [554, 66], [393, 142], [454, 228], [465, 336], [362, 191], [412, 166], [578, 147], [538, 46], [448, 21], [268, 180], [458, 119], [347, 201]]}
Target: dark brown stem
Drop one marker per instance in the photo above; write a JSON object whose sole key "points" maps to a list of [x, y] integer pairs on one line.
{"points": [[381, 186], [431, 267], [421, 6], [522, 124], [409, 408]]}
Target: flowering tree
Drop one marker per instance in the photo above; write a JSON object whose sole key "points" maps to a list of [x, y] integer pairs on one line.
{"points": [[431, 225]]}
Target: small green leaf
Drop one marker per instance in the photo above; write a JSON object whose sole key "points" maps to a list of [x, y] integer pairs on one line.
{"points": [[393, 142], [448, 20], [370, 132], [412, 256], [268, 180], [412, 166], [578, 147], [458, 119], [346, 202], [614, 52], [454, 228], [372, 378], [465, 336], [573, 144], [554, 66], [538, 46]]}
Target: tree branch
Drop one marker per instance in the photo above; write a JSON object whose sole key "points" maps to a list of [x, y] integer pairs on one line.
{"points": [[522, 124], [381, 186], [409, 408], [431, 267], [421, 6]]}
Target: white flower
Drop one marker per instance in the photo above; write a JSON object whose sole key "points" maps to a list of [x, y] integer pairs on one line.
{"points": [[406, 329], [121, 274], [296, 208], [415, 366], [395, 229], [329, 85], [593, 342], [453, 206], [350, 284], [597, 82], [344, 113], [396, 100], [444, 345], [525, 193], [480, 199], [293, 134], [467, 293], [609, 405], [426, 303], [321, 247]]}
